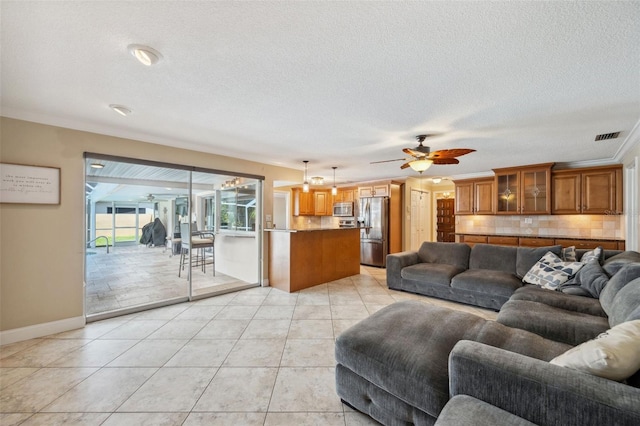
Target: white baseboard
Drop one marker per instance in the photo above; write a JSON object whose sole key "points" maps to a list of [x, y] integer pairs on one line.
{"points": [[40, 330]]}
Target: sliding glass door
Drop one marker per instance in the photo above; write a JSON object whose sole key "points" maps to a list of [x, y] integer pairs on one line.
{"points": [[159, 234]]}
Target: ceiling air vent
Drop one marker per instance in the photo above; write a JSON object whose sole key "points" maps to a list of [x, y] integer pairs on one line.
{"points": [[605, 136]]}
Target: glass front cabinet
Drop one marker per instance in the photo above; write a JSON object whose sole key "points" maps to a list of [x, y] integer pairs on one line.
{"points": [[524, 190]]}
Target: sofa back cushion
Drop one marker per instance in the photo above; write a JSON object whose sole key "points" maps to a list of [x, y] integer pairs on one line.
{"points": [[614, 263], [492, 257], [625, 304], [455, 254], [626, 274], [528, 256]]}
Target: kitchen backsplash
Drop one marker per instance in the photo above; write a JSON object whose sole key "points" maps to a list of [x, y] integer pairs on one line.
{"points": [[577, 226], [314, 222]]}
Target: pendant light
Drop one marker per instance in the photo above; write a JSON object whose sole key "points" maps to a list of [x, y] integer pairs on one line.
{"points": [[334, 189], [305, 184]]}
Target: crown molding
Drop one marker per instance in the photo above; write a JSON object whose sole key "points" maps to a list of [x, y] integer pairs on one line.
{"points": [[632, 139]]}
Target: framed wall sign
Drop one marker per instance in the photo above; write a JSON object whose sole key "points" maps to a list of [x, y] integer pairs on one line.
{"points": [[29, 184]]}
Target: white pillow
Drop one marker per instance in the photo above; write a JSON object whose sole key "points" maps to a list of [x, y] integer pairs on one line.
{"points": [[614, 354]]}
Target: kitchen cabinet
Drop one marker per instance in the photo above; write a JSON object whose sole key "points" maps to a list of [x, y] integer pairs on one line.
{"points": [[322, 203], [512, 240], [303, 203], [596, 190], [523, 190], [345, 195], [381, 190], [475, 196]]}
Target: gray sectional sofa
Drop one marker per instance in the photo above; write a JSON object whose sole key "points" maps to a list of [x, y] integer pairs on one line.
{"points": [[403, 364]]}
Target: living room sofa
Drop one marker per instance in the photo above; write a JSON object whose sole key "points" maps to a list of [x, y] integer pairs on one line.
{"points": [[404, 363], [484, 275]]}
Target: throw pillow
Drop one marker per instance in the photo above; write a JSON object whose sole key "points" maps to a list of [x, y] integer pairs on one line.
{"points": [[615, 263], [569, 254], [597, 254], [614, 354], [591, 278], [550, 271]]}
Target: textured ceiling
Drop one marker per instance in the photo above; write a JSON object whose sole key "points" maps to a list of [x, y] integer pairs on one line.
{"points": [[337, 83]]}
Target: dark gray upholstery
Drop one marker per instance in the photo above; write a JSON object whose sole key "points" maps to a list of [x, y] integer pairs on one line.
{"points": [[439, 273], [456, 254], [464, 410], [534, 293], [403, 349], [614, 263], [626, 304], [626, 274], [484, 275], [540, 392], [553, 323], [493, 257], [590, 278], [488, 281], [528, 256]]}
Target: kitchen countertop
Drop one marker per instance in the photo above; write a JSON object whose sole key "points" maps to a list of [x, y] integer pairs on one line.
{"points": [[308, 230], [563, 237]]}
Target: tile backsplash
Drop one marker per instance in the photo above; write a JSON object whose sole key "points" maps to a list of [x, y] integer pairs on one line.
{"points": [[576, 226]]}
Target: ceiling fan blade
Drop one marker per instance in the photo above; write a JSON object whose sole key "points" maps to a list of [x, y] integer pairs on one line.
{"points": [[445, 161], [450, 153], [404, 166], [388, 161], [415, 153]]}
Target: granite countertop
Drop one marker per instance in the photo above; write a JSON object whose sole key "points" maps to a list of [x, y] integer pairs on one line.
{"points": [[564, 237], [308, 230]]}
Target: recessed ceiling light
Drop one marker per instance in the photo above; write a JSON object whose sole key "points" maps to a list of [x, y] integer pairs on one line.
{"points": [[97, 166], [122, 110], [145, 54]]}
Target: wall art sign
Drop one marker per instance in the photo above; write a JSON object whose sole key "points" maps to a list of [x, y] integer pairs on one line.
{"points": [[29, 184]]}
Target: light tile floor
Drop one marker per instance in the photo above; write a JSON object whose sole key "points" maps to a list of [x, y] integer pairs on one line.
{"points": [[255, 357]]}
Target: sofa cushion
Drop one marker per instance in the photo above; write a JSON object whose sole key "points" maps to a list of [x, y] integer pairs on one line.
{"points": [[590, 278], [487, 281], [626, 303], [614, 354], [528, 256], [465, 410], [585, 305], [553, 323], [403, 349], [615, 263], [433, 273], [456, 254], [492, 257], [550, 271], [626, 274]]}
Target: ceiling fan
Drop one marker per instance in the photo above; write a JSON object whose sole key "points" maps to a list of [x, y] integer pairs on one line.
{"points": [[423, 158]]}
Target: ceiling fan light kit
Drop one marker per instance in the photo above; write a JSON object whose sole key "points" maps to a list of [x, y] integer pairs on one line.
{"points": [[423, 158]]}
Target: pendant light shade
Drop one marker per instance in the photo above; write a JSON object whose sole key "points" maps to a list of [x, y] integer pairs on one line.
{"points": [[420, 165], [305, 184], [334, 189]]}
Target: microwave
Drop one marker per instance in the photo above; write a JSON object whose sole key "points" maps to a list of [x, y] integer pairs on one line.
{"points": [[343, 209]]}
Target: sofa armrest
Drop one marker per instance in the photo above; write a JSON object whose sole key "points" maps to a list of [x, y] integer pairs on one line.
{"points": [[395, 263], [537, 391]]}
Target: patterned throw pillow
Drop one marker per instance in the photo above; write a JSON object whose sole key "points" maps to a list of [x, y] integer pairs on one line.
{"points": [[550, 271], [595, 254], [569, 254]]}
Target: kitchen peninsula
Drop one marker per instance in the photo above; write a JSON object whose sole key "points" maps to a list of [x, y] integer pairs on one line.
{"points": [[303, 258]]}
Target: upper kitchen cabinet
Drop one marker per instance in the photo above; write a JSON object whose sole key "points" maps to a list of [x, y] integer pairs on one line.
{"points": [[524, 190], [303, 203], [345, 195], [475, 196], [322, 203], [594, 190], [381, 190]]}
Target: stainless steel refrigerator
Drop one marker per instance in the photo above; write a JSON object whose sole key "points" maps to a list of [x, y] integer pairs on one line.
{"points": [[373, 221]]}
